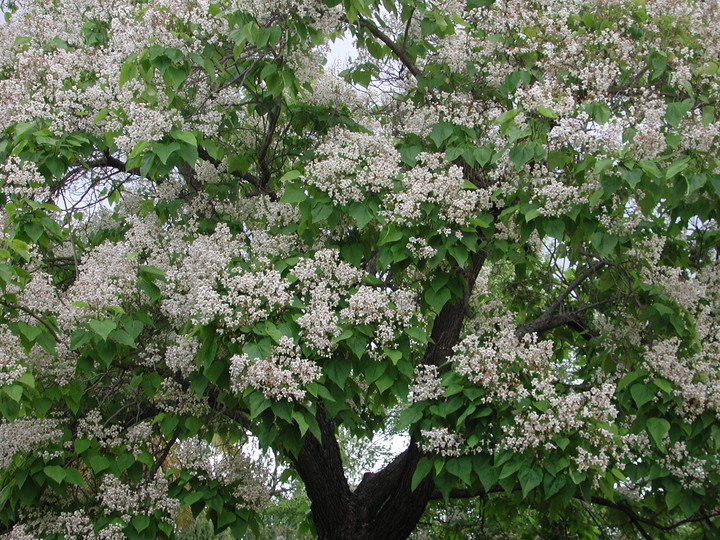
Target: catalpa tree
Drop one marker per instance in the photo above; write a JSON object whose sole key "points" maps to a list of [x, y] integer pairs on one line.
{"points": [[498, 227]]}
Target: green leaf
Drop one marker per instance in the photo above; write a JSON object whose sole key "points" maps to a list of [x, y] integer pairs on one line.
{"points": [[423, 468], [417, 334], [98, 463], [676, 167], [677, 111], [553, 484], [361, 213], [290, 175], [461, 467], [673, 498], [74, 476], [658, 427], [394, 355], [14, 391], [385, 382], [641, 393], [547, 112], [80, 445], [409, 416], [440, 133], [532, 214], [662, 384], [529, 479], [184, 136], [103, 328], [521, 154], [140, 522], [164, 151], [507, 116], [293, 193], [436, 300], [56, 472]]}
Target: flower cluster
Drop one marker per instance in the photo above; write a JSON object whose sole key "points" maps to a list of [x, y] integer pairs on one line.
{"points": [[282, 376], [323, 280], [442, 441], [354, 165], [11, 354], [232, 468], [106, 276], [26, 435], [387, 311], [435, 182], [146, 498], [426, 384], [22, 179], [181, 355]]}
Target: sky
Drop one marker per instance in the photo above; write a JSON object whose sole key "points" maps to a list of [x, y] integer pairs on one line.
{"points": [[341, 50]]}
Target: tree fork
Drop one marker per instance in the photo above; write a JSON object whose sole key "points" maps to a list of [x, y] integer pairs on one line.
{"points": [[384, 505]]}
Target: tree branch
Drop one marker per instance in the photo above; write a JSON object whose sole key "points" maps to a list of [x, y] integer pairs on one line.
{"points": [[394, 47], [319, 464], [647, 521], [550, 318], [467, 493], [262, 154], [447, 325]]}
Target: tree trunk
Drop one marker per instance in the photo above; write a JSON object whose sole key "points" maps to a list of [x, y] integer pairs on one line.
{"points": [[383, 507]]}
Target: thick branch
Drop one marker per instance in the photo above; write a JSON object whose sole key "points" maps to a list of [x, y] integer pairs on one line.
{"points": [[262, 155], [394, 47], [447, 326], [384, 496], [551, 318], [467, 493], [636, 518], [390, 507], [319, 464]]}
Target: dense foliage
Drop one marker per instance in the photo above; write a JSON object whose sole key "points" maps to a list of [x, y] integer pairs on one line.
{"points": [[497, 227]]}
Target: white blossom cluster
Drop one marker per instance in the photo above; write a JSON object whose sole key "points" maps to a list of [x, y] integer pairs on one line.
{"points": [[689, 469], [321, 16], [106, 276], [695, 378], [588, 67], [192, 282], [510, 370], [442, 441], [282, 376], [433, 181], [323, 280], [51, 82], [232, 468], [205, 285], [71, 525], [180, 356], [137, 437], [387, 311], [420, 248], [252, 296], [21, 178], [146, 498], [353, 165], [26, 435], [426, 385], [92, 426], [11, 355], [175, 399]]}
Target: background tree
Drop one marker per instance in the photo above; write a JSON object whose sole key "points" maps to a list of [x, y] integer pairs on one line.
{"points": [[501, 224]]}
